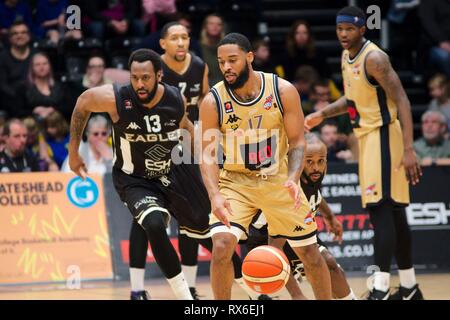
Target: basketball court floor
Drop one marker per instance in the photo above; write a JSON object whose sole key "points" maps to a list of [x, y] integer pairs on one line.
{"points": [[434, 287]]}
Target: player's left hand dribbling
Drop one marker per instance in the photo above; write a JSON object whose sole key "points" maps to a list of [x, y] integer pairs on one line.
{"points": [[294, 192], [335, 227]]}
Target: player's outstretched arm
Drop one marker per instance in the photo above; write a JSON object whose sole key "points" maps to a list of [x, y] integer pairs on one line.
{"points": [[98, 99], [330, 220], [379, 67], [293, 124], [332, 110], [209, 168]]}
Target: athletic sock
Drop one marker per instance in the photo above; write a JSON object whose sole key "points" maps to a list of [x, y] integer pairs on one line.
{"points": [[381, 281], [190, 274], [137, 278], [253, 295], [407, 278], [180, 287]]}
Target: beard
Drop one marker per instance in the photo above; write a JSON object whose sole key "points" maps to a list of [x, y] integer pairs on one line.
{"points": [[150, 94], [179, 59], [310, 181], [241, 79]]}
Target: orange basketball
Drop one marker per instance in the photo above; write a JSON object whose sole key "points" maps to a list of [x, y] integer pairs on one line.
{"points": [[265, 269]]}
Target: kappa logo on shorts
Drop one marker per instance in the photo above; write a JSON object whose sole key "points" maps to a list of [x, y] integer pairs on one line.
{"points": [[371, 190], [298, 228]]}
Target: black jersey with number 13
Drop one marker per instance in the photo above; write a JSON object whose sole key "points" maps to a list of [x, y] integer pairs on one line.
{"points": [[143, 138]]}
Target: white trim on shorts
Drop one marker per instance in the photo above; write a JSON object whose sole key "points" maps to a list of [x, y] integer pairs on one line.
{"points": [[303, 242], [195, 235], [233, 230]]}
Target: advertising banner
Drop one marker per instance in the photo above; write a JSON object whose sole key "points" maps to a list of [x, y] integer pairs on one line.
{"points": [[53, 228]]}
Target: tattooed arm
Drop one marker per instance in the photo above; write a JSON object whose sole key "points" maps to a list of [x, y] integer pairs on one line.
{"points": [[293, 124], [333, 109], [379, 67], [98, 99]]}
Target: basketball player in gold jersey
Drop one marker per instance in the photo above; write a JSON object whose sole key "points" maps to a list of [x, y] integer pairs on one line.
{"points": [[375, 99], [259, 119]]}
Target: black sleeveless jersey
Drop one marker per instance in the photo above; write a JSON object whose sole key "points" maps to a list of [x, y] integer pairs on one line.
{"points": [[190, 83], [312, 191], [143, 138]]}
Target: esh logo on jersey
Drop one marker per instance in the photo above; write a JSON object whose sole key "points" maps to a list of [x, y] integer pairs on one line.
{"points": [[133, 126], [268, 102], [228, 107], [128, 105]]}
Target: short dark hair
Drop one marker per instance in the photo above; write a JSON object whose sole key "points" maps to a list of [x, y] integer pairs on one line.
{"points": [[238, 39], [352, 11], [18, 22], [167, 26], [142, 55]]}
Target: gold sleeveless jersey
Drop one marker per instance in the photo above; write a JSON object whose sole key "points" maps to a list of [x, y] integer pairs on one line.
{"points": [[368, 105], [253, 134]]}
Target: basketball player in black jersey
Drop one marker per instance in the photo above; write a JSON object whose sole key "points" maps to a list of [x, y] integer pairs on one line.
{"points": [[147, 115], [189, 74], [314, 170]]}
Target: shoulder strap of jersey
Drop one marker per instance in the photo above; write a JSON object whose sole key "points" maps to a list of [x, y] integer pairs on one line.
{"points": [[276, 92], [216, 96]]}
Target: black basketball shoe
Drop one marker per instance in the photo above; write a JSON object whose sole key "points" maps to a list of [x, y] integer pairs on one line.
{"points": [[139, 295], [403, 293]]}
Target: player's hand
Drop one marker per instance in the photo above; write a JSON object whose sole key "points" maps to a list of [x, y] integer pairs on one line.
{"points": [[294, 192], [221, 209], [313, 120], [77, 165], [412, 166], [335, 227]]}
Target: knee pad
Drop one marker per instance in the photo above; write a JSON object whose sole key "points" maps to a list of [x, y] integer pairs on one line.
{"points": [[154, 220]]}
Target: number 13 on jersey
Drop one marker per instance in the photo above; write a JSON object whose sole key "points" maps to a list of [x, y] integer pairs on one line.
{"points": [[153, 123]]}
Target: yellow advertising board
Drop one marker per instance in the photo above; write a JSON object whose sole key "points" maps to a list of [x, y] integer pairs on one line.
{"points": [[53, 228]]}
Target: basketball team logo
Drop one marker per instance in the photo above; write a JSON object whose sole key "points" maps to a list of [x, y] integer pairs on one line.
{"points": [[371, 190], [128, 105], [228, 107], [268, 102], [82, 193], [309, 218]]}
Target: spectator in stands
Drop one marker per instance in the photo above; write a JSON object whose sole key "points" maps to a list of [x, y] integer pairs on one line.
{"points": [[319, 98], [95, 73], [435, 18], [301, 50], [153, 8], [213, 30], [50, 19], [112, 18], [57, 136], [15, 157], [304, 78], [43, 93], [434, 146], [337, 150], [12, 11], [439, 86], [13, 70], [96, 151], [263, 61], [36, 145]]}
